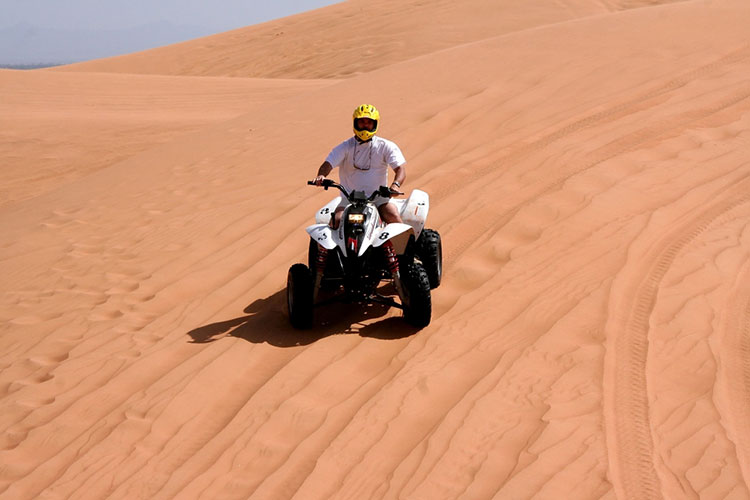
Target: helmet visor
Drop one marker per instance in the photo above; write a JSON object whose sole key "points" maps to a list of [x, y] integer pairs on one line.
{"points": [[368, 124]]}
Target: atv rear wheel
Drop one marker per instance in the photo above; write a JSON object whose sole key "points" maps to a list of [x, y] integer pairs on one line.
{"points": [[430, 252], [299, 296], [418, 309]]}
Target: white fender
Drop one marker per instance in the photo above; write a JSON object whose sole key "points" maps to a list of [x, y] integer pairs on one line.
{"points": [[323, 216], [322, 234], [386, 233], [414, 210], [391, 232]]}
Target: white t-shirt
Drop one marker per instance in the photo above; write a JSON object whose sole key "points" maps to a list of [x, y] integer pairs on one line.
{"points": [[364, 166]]}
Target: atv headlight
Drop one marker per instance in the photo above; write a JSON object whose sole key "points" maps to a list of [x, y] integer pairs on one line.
{"points": [[356, 218]]}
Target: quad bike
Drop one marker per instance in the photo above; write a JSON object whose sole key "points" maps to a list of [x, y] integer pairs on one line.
{"points": [[349, 263]]}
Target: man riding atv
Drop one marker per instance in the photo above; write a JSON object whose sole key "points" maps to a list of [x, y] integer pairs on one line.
{"points": [[370, 239], [363, 162]]}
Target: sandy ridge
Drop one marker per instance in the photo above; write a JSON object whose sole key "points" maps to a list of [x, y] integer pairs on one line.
{"points": [[349, 38]]}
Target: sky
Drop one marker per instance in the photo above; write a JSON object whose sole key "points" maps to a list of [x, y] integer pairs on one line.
{"points": [[56, 31], [115, 14]]}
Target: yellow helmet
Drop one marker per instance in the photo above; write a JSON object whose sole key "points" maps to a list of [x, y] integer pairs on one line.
{"points": [[366, 111]]}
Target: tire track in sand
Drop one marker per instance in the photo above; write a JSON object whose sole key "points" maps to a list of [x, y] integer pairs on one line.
{"points": [[626, 401], [735, 376]]}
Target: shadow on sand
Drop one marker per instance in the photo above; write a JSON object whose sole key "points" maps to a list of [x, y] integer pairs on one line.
{"points": [[266, 321]]}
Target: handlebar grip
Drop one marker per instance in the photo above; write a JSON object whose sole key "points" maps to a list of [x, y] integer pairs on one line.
{"points": [[325, 184], [328, 183]]}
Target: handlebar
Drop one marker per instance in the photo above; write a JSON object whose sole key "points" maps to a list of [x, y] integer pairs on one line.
{"points": [[382, 190]]}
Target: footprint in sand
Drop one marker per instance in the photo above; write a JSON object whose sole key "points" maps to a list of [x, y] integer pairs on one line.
{"points": [[34, 379], [105, 315], [129, 354], [38, 402], [86, 250], [11, 438], [32, 319], [49, 359], [136, 299]]}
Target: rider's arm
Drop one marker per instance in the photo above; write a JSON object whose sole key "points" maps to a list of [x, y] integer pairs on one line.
{"points": [[400, 177], [323, 172]]}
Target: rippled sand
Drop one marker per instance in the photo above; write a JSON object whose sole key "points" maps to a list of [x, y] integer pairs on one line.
{"points": [[588, 169]]}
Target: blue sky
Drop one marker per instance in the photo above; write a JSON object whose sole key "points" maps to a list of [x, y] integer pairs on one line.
{"points": [[56, 31], [114, 14]]}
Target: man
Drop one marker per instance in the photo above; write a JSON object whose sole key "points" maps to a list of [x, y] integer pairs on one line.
{"points": [[364, 161]]}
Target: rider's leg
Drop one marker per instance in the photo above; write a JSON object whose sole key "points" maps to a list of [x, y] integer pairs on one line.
{"points": [[389, 213], [336, 218]]}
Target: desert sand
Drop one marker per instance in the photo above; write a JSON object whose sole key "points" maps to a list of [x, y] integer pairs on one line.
{"points": [[588, 169]]}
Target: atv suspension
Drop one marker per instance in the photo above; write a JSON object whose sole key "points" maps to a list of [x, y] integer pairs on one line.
{"points": [[392, 261], [390, 256]]}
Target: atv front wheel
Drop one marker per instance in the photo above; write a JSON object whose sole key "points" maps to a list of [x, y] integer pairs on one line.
{"points": [[299, 296], [418, 309], [312, 255], [430, 252]]}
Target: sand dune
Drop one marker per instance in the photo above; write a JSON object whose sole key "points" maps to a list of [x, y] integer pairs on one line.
{"points": [[48, 119], [350, 38], [590, 180]]}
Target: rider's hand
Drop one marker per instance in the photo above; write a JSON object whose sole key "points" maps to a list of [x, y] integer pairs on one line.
{"points": [[393, 191], [319, 180]]}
